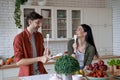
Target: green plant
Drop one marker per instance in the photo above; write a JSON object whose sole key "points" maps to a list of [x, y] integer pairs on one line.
{"points": [[111, 62], [115, 62], [66, 65], [17, 12]]}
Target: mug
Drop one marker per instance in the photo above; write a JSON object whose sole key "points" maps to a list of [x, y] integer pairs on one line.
{"points": [[76, 77]]}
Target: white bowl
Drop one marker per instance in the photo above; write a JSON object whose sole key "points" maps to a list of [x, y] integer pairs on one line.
{"points": [[76, 77], [94, 78]]}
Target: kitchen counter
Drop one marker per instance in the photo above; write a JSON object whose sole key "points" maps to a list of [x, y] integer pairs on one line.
{"points": [[42, 77], [53, 62], [108, 57], [7, 75]]}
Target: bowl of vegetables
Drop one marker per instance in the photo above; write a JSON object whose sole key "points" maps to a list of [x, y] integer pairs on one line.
{"points": [[99, 65], [97, 71], [97, 75]]}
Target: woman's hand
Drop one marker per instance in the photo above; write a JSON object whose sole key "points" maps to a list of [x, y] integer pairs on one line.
{"points": [[74, 47], [73, 55]]}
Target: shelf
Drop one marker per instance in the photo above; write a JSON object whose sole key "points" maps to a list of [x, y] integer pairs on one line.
{"points": [[59, 39], [61, 18], [76, 18], [46, 18], [61, 29], [46, 29]]}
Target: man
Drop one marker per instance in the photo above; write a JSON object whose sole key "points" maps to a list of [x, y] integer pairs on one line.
{"points": [[29, 50]]}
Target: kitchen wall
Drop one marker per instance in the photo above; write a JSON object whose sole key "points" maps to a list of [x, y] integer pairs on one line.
{"points": [[8, 29], [78, 3], [116, 26]]}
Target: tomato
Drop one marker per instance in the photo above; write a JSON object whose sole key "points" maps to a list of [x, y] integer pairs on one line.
{"points": [[3, 63]]}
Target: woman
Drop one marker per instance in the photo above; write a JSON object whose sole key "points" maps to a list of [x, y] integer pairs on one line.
{"points": [[84, 48]]}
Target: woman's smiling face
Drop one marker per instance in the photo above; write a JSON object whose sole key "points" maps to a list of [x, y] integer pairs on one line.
{"points": [[80, 32]]}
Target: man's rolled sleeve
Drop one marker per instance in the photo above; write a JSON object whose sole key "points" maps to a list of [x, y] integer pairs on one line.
{"points": [[17, 44]]}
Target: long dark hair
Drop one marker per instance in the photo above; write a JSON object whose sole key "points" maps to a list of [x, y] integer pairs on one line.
{"points": [[89, 37]]}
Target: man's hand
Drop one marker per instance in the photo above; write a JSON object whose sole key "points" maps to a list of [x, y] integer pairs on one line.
{"points": [[46, 56], [43, 59], [47, 53]]}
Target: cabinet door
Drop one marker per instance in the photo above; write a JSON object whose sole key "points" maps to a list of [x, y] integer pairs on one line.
{"points": [[90, 16], [61, 23], [97, 16], [1, 75], [75, 20], [12, 72], [105, 16], [26, 11], [47, 22], [100, 20]]}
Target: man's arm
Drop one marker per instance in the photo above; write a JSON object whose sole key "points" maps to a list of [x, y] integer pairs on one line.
{"points": [[27, 61]]}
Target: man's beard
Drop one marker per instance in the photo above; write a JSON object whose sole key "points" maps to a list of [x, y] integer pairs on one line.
{"points": [[35, 30]]}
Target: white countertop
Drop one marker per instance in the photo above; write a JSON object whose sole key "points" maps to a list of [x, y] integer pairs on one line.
{"points": [[37, 77]]}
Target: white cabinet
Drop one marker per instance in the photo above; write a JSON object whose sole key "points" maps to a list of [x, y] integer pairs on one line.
{"points": [[60, 23], [12, 72], [100, 19], [8, 73], [98, 16], [1, 77]]}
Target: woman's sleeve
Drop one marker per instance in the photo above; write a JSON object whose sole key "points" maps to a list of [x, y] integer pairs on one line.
{"points": [[91, 55], [69, 47]]}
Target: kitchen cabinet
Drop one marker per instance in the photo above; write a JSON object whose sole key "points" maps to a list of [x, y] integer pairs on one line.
{"points": [[1, 77], [100, 19], [98, 16], [59, 22], [10, 72]]}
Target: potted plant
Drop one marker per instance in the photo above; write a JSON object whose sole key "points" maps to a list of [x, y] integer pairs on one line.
{"points": [[117, 63], [66, 65], [17, 12], [113, 63]]}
